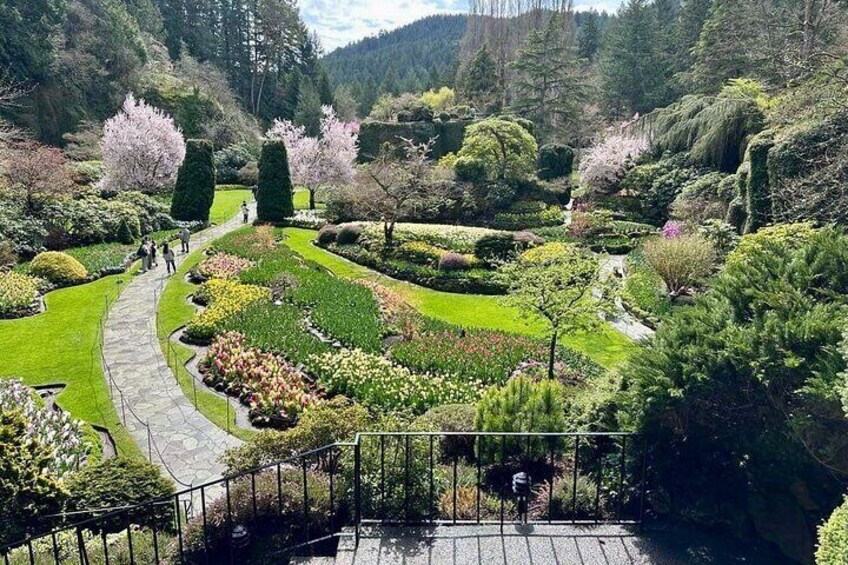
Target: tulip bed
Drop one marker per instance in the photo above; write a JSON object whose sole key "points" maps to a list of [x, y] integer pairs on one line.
{"points": [[224, 298], [222, 266], [275, 391]]}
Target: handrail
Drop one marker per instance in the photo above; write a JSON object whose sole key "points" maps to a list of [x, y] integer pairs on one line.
{"points": [[590, 462]]}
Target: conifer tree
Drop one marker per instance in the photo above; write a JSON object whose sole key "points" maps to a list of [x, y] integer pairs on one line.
{"points": [[481, 85], [195, 188], [274, 196]]}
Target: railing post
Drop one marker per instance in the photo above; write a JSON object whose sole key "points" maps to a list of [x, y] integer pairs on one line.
{"points": [[357, 489]]}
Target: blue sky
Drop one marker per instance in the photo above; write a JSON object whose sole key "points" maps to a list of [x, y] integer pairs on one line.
{"points": [[338, 22]]}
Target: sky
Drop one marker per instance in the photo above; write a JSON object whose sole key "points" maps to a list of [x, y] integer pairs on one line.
{"points": [[338, 22]]}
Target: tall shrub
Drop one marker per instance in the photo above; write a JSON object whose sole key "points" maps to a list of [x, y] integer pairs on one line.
{"points": [[274, 198], [758, 194], [195, 189]]}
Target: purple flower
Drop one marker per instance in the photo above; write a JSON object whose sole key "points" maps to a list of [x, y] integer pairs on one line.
{"points": [[672, 229]]}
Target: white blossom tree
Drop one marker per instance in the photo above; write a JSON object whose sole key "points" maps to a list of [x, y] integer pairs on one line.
{"points": [[142, 148], [318, 162], [603, 166]]}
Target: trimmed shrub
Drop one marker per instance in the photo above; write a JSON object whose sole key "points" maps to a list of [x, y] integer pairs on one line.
{"points": [[554, 161], [833, 538], [468, 169], [17, 293], [348, 234], [759, 197], [58, 268], [328, 234], [451, 261], [195, 188], [495, 247], [274, 199], [420, 253], [121, 481], [125, 234], [451, 418]]}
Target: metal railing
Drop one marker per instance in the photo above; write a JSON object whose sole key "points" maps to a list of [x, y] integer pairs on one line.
{"points": [[307, 501]]}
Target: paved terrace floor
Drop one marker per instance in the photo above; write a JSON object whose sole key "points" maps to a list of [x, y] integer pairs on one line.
{"points": [[542, 545]]}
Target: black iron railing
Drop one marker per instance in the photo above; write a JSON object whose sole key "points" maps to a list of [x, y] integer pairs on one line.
{"points": [[397, 478]]}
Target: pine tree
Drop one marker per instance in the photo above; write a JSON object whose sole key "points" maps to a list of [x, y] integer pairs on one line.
{"points": [[195, 188], [291, 94], [589, 36], [633, 71], [548, 87], [481, 85], [308, 112], [274, 195], [325, 91]]}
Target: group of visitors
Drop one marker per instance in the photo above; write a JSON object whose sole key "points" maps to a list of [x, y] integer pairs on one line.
{"points": [[148, 250]]}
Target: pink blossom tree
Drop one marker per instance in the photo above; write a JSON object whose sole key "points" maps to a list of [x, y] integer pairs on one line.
{"points": [[142, 148], [603, 166], [318, 162]]}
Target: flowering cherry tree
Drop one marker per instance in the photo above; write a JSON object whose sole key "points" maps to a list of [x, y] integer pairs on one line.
{"points": [[142, 148], [327, 160], [604, 165]]}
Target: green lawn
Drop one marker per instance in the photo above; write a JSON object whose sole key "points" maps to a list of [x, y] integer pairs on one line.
{"points": [[227, 204], [62, 345], [174, 312], [609, 348]]}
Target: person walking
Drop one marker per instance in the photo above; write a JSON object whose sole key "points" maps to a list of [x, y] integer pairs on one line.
{"points": [[168, 256], [185, 237], [245, 211], [153, 261], [144, 254]]}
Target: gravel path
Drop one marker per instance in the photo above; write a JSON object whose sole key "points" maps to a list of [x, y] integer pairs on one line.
{"points": [[161, 419]]}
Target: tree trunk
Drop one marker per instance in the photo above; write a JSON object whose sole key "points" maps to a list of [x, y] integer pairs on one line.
{"points": [[552, 355], [311, 199]]}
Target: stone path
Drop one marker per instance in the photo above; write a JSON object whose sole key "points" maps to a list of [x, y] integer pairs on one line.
{"points": [[161, 420], [623, 321]]}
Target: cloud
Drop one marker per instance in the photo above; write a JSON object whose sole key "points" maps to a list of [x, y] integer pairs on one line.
{"points": [[338, 22]]}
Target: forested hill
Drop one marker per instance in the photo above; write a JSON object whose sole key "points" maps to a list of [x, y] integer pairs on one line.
{"points": [[412, 58]]}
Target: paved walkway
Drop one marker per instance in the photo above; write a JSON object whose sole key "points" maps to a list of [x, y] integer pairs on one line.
{"points": [[181, 440]]}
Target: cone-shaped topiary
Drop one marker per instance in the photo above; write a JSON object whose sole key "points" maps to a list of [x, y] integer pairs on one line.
{"points": [[195, 189], [274, 197], [124, 234]]}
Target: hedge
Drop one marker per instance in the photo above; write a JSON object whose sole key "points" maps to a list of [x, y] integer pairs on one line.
{"points": [[373, 134]]}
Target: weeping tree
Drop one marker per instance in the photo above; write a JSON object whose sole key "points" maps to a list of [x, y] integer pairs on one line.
{"points": [[715, 130]]}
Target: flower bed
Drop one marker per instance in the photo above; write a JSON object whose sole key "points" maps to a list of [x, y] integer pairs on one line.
{"points": [[471, 281], [221, 266], [48, 427], [348, 312], [384, 385], [486, 356], [225, 298], [17, 294], [277, 327], [274, 390]]}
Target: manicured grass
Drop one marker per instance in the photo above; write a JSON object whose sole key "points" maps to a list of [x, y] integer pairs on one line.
{"points": [[62, 346], [607, 347], [227, 204], [174, 312], [301, 200]]}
